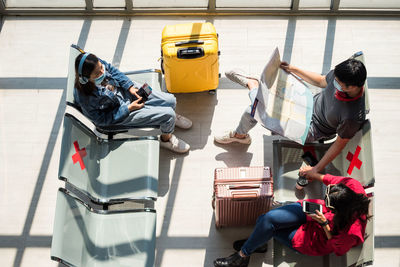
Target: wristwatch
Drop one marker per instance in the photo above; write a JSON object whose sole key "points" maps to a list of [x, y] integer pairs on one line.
{"points": [[324, 223]]}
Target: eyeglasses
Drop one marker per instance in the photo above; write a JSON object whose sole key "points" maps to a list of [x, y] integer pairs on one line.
{"points": [[327, 199]]}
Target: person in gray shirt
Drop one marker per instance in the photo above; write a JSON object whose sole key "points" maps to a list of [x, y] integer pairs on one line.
{"points": [[338, 109]]}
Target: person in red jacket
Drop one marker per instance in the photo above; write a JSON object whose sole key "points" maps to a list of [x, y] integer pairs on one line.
{"points": [[339, 227]]}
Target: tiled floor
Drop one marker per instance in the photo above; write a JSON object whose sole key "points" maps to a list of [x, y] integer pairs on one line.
{"points": [[33, 70]]}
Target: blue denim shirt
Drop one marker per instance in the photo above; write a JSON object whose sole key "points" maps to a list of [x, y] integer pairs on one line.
{"points": [[105, 107]]}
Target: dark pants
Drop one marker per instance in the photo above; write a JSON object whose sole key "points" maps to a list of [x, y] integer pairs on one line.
{"points": [[280, 223]]}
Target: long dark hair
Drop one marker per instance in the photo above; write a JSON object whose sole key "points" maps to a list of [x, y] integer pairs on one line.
{"points": [[348, 205], [89, 65]]}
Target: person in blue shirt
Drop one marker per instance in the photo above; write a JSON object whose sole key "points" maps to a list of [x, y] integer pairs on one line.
{"points": [[108, 97]]}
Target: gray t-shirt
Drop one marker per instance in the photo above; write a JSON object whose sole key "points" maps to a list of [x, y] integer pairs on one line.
{"points": [[331, 115]]}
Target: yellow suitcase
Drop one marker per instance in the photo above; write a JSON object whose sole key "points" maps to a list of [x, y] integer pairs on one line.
{"points": [[189, 54]]}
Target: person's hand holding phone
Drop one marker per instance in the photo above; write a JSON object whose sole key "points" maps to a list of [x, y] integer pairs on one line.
{"points": [[133, 91], [323, 221], [318, 216], [135, 105]]}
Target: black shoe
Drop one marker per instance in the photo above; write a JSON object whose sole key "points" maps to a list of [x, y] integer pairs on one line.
{"points": [[234, 260], [238, 244]]}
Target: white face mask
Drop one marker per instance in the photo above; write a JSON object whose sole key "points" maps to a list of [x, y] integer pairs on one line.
{"points": [[337, 85], [100, 79]]}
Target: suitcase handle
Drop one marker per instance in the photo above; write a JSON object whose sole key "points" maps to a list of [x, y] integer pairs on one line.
{"points": [[189, 42], [244, 186], [244, 196], [190, 52]]}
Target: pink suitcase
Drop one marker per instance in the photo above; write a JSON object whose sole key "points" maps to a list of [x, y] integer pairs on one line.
{"points": [[241, 195]]}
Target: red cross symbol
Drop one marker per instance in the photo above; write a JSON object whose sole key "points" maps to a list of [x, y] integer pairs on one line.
{"points": [[354, 161], [79, 155]]}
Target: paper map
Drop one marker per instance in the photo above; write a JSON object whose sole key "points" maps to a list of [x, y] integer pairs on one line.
{"points": [[284, 103]]}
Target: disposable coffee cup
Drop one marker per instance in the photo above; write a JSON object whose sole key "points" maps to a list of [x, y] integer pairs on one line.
{"points": [[301, 182]]}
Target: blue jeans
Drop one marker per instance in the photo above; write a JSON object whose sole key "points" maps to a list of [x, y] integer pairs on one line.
{"points": [[159, 110], [280, 223]]}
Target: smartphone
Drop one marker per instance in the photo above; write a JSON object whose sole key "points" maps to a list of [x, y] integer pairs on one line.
{"points": [[310, 207], [144, 92]]}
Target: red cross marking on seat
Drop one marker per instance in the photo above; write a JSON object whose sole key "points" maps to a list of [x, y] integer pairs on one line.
{"points": [[79, 155], [354, 161]]}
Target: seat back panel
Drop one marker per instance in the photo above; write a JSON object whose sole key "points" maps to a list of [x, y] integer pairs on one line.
{"points": [[86, 238], [108, 170]]}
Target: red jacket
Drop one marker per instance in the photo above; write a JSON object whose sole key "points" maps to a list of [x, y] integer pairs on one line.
{"points": [[310, 238]]}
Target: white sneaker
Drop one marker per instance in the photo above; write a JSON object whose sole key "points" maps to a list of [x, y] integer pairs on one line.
{"points": [[175, 144], [239, 76], [182, 122], [229, 137]]}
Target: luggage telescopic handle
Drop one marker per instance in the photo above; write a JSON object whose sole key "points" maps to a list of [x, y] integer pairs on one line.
{"points": [[244, 186], [189, 42], [190, 52], [244, 196]]}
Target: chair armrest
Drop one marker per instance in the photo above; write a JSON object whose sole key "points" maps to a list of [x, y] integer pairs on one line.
{"points": [[111, 132], [151, 76], [142, 71], [119, 131]]}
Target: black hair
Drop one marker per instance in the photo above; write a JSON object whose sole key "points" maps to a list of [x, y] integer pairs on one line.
{"points": [[348, 205], [88, 67], [351, 72]]}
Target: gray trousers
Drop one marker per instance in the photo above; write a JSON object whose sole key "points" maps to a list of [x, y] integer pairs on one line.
{"points": [[247, 122]]}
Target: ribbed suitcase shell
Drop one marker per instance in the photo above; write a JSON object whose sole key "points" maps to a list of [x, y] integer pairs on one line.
{"points": [[241, 195], [185, 75]]}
